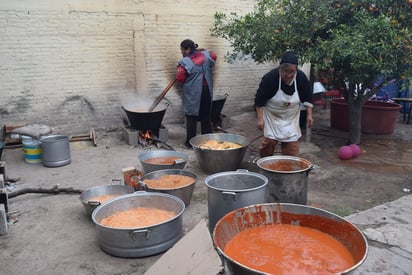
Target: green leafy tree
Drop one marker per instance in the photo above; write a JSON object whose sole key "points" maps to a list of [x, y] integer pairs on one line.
{"points": [[364, 44]]}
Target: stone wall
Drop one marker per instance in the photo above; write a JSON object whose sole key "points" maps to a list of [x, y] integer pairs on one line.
{"points": [[73, 64]]}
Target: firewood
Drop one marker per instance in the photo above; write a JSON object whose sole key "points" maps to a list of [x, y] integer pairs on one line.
{"points": [[55, 190]]}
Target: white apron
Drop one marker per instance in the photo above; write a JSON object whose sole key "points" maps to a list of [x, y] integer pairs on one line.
{"points": [[281, 116]]}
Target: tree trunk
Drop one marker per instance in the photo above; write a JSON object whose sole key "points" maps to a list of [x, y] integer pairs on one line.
{"points": [[355, 118]]}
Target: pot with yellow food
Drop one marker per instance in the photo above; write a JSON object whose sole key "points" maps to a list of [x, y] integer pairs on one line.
{"points": [[219, 152]]}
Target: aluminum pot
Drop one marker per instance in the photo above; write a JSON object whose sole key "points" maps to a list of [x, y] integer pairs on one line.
{"points": [[55, 150], [142, 241], [288, 178], [286, 213], [114, 189], [214, 161], [179, 163], [228, 191], [184, 193]]}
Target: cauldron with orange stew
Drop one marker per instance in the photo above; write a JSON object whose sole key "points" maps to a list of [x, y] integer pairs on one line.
{"points": [[284, 238], [146, 237]]}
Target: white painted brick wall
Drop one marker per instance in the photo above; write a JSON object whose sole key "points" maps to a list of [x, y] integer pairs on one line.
{"points": [[69, 64]]}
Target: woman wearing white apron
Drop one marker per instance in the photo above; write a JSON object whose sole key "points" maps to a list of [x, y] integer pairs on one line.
{"points": [[277, 103]]}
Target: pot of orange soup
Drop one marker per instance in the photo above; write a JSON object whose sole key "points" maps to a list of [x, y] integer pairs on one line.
{"points": [[288, 178], [284, 238], [139, 224], [155, 160]]}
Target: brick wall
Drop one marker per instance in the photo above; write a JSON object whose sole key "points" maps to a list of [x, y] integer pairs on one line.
{"points": [[71, 65]]}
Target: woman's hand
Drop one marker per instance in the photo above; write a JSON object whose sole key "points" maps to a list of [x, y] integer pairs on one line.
{"points": [[309, 117], [260, 124], [260, 121]]}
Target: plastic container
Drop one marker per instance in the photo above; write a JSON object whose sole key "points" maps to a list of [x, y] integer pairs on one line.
{"points": [[32, 149]]}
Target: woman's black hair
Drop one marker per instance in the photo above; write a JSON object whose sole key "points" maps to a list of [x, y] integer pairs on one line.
{"points": [[187, 43]]}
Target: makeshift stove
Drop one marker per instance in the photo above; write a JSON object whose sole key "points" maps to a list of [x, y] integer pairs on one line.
{"points": [[145, 127], [146, 137]]}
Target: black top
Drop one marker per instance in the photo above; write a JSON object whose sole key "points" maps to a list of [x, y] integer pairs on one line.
{"points": [[270, 83]]}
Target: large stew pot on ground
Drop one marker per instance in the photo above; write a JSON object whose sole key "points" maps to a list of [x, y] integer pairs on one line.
{"points": [[183, 192], [261, 215], [162, 159], [141, 119], [142, 241], [88, 196], [213, 161]]}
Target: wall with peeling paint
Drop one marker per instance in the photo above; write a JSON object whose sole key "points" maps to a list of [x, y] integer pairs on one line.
{"points": [[72, 64]]}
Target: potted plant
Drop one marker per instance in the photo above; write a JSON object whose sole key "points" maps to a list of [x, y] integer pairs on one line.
{"points": [[364, 44]]}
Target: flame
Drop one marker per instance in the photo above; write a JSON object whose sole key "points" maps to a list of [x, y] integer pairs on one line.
{"points": [[147, 135]]}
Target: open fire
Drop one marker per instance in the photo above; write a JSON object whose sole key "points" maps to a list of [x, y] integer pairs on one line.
{"points": [[145, 138]]}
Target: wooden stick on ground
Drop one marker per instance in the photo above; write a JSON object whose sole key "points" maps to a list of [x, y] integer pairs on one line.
{"points": [[56, 190]]}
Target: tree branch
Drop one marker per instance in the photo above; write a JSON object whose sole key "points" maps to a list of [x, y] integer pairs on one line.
{"points": [[56, 190]]}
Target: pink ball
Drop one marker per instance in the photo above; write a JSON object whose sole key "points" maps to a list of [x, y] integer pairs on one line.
{"points": [[345, 153], [355, 149]]}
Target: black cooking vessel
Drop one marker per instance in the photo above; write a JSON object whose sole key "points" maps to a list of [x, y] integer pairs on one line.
{"points": [[145, 120], [217, 106]]}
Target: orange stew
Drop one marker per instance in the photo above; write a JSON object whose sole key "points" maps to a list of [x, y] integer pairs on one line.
{"points": [[103, 198], [285, 165], [289, 249], [169, 182], [162, 160], [137, 217]]}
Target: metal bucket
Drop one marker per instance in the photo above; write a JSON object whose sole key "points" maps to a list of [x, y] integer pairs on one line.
{"points": [[56, 150], [288, 178], [231, 190], [32, 149], [285, 213]]}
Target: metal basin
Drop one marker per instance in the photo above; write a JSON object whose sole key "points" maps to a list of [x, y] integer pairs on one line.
{"points": [[184, 193], [114, 189], [179, 163], [213, 161], [142, 241], [267, 214]]}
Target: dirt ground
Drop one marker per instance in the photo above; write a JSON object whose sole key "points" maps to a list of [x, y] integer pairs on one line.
{"points": [[52, 234]]}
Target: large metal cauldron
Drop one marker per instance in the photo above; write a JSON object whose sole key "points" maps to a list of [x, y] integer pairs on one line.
{"points": [[179, 163], [184, 193], [266, 214], [213, 161], [141, 119], [228, 191], [142, 241], [288, 178]]}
